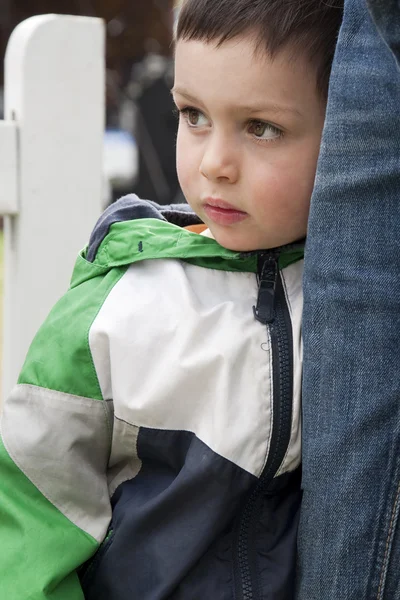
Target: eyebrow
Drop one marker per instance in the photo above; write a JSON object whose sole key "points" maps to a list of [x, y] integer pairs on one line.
{"points": [[272, 108]]}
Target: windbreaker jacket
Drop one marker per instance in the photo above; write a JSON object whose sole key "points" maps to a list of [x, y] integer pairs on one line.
{"points": [[151, 448]]}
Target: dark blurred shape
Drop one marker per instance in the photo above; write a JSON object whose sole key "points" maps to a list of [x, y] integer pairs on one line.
{"points": [[155, 131], [130, 24]]}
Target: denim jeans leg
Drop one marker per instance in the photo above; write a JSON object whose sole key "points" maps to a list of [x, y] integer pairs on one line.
{"points": [[349, 539]]}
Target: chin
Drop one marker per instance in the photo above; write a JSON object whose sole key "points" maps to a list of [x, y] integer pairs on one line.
{"points": [[236, 245]]}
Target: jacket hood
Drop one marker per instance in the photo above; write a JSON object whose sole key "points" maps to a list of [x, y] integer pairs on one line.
{"points": [[132, 230], [131, 208]]}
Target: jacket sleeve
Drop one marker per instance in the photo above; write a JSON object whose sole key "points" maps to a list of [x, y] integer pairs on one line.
{"points": [[54, 448], [54, 503]]}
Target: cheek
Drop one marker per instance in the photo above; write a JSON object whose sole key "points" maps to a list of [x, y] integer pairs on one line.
{"points": [[270, 183], [283, 189], [183, 169], [185, 160], [296, 174], [182, 165]]}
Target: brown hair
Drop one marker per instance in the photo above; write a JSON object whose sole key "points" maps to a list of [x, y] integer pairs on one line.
{"points": [[308, 26]]}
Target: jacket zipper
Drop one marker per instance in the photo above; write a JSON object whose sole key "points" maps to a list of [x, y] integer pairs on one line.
{"points": [[271, 310]]}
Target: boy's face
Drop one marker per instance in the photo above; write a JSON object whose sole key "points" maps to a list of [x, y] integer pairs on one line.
{"points": [[248, 141]]}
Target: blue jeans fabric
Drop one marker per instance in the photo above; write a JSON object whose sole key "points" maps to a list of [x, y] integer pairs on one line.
{"points": [[349, 538]]}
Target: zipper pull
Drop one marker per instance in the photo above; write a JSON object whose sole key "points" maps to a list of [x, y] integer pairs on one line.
{"points": [[264, 312]]}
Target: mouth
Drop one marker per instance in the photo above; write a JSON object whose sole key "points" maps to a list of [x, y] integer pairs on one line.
{"points": [[223, 213]]}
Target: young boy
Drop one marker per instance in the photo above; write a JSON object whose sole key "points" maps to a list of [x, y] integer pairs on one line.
{"points": [[151, 449]]}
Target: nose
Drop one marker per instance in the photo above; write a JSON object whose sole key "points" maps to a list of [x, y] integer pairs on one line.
{"points": [[220, 161]]}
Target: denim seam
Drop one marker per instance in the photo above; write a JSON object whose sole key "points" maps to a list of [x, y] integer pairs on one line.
{"points": [[388, 543]]}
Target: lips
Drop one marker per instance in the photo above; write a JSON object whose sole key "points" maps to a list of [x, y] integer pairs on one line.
{"points": [[223, 213], [218, 203]]}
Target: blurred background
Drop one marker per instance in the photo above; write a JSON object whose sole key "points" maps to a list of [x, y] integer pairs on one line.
{"points": [[139, 141]]}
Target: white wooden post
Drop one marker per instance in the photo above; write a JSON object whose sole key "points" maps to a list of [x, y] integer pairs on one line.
{"points": [[50, 167]]}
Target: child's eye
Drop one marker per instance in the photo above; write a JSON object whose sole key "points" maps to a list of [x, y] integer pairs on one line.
{"points": [[194, 117], [264, 131]]}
